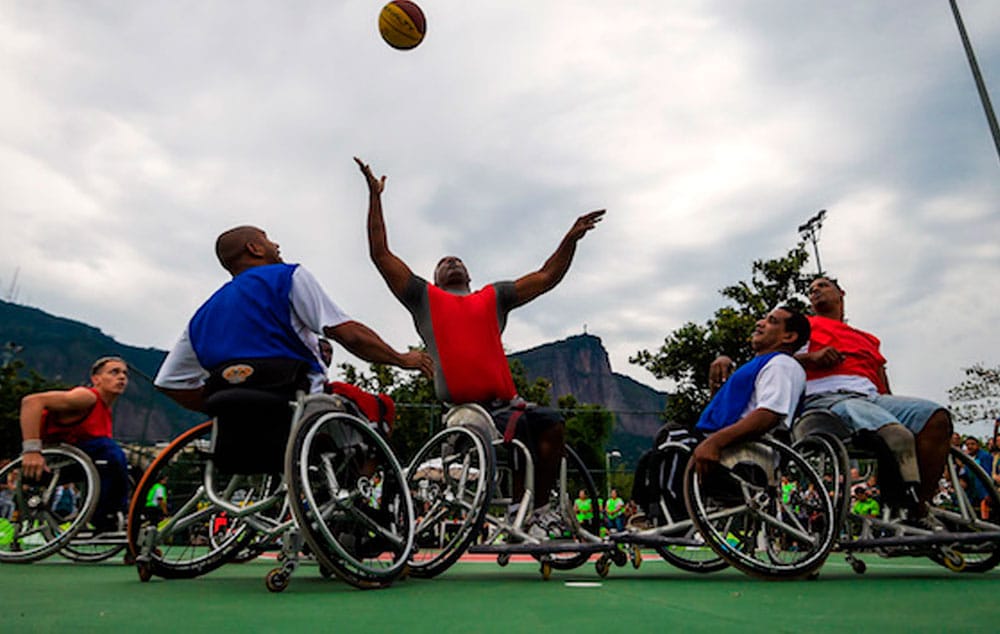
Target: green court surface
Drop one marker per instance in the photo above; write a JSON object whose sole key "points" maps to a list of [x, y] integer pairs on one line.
{"points": [[898, 595]]}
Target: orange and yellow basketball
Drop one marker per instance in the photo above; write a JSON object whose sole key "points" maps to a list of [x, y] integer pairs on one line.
{"points": [[402, 24]]}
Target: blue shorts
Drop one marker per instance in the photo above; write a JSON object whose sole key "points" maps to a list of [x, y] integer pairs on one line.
{"points": [[860, 411]]}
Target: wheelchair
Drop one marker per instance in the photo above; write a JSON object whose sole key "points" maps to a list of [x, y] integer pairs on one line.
{"points": [[52, 514], [462, 484], [958, 535], [308, 475], [737, 514]]}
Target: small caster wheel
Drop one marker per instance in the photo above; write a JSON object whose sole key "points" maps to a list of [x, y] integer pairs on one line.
{"points": [[404, 572], [326, 572], [503, 559], [620, 557], [952, 560], [858, 566], [145, 571], [546, 570], [276, 580], [636, 557], [603, 566]]}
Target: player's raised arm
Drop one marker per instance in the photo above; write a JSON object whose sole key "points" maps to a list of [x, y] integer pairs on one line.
{"points": [[394, 271], [544, 279]]}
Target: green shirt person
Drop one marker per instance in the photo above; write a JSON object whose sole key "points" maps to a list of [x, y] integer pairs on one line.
{"points": [[156, 500], [865, 505], [584, 507], [614, 508]]}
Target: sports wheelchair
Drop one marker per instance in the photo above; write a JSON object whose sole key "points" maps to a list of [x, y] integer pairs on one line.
{"points": [[310, 474], [960, 532], [462, 484], [743, 513], [53, 514]]}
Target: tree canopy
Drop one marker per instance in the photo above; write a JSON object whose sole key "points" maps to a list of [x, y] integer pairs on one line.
{"points": [[687, 352], [977, 398]]}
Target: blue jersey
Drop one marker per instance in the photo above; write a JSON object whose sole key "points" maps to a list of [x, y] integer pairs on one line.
{"points": [[727, 406], [250, 317]]}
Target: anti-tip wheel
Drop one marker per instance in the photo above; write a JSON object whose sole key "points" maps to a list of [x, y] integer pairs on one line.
{"points": [[503, 559], [603, 566], [636, 557], [145, 571], [546, 570], [276, 580]]}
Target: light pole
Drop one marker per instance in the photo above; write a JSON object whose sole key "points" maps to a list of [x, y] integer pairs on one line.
{"points": [[614, 453], [810, 231], [977, 76]]}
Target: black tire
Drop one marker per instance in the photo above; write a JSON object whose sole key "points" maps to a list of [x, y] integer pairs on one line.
{"points": [[740, 503], [577, 477], [38, 529], [348, 495], [701, 560], [182, 549], [966, 518], [445, 496], [828, 456]]}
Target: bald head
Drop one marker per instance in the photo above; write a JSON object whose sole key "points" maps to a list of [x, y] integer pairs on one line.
{"points": [[244, 247]]}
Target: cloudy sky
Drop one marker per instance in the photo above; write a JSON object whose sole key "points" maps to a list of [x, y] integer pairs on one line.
{"points": [[132, 133]]}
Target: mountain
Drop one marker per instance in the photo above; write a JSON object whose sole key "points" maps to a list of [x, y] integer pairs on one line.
{"points": [[62, 350], [579, 365]]}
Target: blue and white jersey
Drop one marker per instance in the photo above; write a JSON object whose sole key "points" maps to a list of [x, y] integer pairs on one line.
{"points": [[272, 311], [773, 381]]}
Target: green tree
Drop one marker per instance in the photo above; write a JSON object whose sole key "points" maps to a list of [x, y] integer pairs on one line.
{"points": [[977, 398], [15, 385], [588, 428], [687, 352]]}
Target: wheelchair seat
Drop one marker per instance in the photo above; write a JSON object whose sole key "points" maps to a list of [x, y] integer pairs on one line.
{"points": [[251, 430]]}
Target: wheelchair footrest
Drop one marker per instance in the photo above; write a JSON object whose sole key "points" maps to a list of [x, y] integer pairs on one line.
{"points": [[652, 539], [920, 540], [544, 548]]}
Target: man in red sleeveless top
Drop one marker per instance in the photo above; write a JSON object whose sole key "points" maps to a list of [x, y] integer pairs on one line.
{"points": [[81, 416], [845, 373], [462, 328]]}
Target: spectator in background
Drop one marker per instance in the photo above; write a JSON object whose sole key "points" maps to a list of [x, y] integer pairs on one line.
{"points": [[614, 509], [973, 449], [6, 493], [865, 505], [956, 440]]}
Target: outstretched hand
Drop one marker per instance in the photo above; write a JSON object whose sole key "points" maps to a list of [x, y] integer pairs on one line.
{"points": [[375, 185], [585, 223]]}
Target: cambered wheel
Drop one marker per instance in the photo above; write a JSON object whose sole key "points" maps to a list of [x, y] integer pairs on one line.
{"points": [[349, 496], [182, 546], [40, 524], [450, 480], [962, 514], [742, 513], [576, 476]]}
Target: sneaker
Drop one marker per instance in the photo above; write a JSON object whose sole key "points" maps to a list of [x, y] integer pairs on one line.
{"points": [[638, 522]]}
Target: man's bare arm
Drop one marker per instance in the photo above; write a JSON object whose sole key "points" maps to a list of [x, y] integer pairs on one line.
{"points": [[753, 425], [545, 279], [394, 271], [363, 342]]}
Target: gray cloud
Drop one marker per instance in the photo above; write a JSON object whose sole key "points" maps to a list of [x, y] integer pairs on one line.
{"points": [[130, 135]]}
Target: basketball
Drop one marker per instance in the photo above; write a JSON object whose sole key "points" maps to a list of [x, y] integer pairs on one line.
{"points": [[402, 24]]}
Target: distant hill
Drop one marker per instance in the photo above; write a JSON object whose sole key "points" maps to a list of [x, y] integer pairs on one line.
{"points": [[579, 365], [62, 350]]}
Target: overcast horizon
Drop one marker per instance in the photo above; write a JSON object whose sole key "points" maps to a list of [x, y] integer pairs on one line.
{"points": [[131, 134]]}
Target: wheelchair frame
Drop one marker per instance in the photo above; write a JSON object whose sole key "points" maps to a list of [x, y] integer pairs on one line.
{"points": [[469, 443], [974, 547], [328, 438]]}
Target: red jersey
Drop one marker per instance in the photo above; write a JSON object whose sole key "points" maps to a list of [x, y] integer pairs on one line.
{"points": [[469, 351], [860, 350], [96, 424]]}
